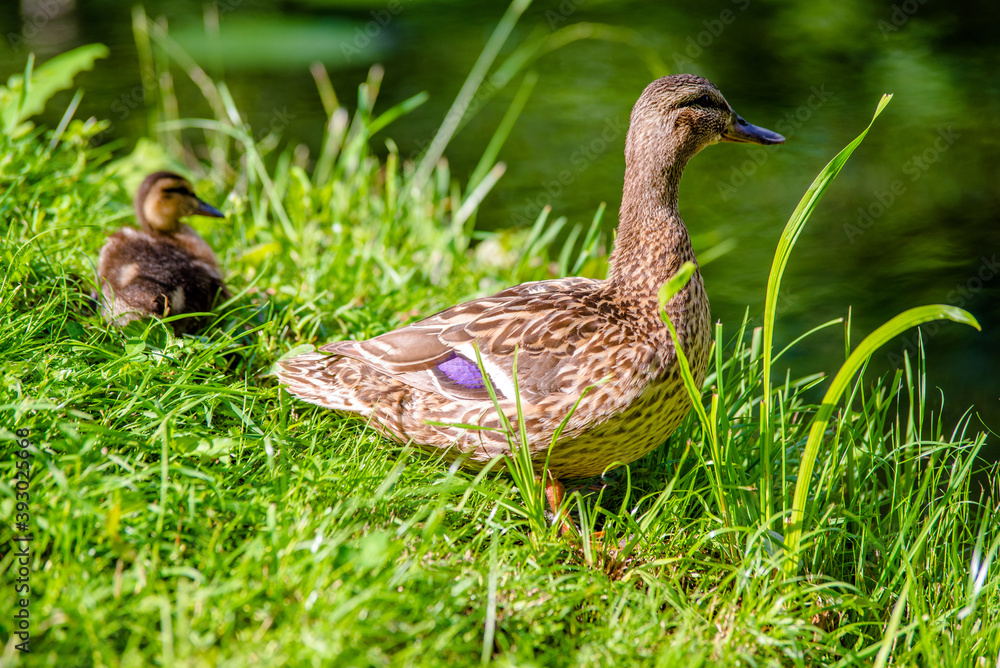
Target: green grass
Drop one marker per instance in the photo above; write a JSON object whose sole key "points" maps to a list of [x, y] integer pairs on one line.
{"points": [[186, 511]]}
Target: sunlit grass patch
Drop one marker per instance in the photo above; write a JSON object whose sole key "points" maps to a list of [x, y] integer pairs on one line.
{"points": [[185, 510]]}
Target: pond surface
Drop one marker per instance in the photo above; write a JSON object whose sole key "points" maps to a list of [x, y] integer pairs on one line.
{"points": [[912, 219]]}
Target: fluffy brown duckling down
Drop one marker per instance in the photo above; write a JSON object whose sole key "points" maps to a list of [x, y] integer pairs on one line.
{"points": [[165, 268]]}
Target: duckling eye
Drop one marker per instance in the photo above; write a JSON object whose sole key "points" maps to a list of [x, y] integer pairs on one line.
{"points": [[180, 190]]}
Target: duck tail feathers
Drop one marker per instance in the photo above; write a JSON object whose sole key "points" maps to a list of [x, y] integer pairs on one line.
{"points": [[322, 379]]}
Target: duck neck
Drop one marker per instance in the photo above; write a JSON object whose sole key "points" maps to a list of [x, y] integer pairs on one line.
{"points": [[652, 241], [151, 221], [159, 230]]}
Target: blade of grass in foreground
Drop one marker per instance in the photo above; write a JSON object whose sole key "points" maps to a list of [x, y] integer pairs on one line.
{"points": [[788, 238], [861, 354], [667, 292]]}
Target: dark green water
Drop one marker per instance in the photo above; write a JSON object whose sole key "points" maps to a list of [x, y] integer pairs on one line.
{"points": [[913, 219]]}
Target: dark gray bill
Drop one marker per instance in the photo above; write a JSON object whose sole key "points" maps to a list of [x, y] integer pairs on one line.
{"points": [[205, 209], [742, 132]]}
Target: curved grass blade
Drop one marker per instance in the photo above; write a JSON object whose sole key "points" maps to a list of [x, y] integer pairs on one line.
{"points": [[902, 322], [788, 238]]}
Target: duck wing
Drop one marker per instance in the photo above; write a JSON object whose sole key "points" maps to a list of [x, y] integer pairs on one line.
{"points": [[546, 322]]}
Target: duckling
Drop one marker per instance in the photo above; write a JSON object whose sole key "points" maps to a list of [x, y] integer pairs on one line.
{"points": [[597, 371], [165, 268]]}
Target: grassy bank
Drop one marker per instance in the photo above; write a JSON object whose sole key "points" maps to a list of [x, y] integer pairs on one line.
{"points": [[186, 511]]}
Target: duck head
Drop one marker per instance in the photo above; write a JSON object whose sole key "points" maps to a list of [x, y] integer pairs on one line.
{"points": [[164, 198], [679, 115]]}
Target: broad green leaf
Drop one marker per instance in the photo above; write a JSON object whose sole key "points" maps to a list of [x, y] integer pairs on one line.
{"points": [[45, 81]]}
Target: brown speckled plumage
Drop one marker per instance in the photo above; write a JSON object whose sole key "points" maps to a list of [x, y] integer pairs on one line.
{"points": [[571, 334], [165, 268]]}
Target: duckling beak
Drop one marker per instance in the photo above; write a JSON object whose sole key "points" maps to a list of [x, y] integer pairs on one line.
{"points": [[742, 132], [205, 209]]}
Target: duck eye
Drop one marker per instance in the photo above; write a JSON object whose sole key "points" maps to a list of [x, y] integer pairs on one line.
{"points": [[705, 101]]}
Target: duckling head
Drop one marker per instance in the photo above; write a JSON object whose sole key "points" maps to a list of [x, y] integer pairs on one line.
{"points": [[679, 115], [164, 198]]}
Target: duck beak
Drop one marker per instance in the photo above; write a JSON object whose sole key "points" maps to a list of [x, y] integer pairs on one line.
{"points": [[205, 209], [741, 132]]}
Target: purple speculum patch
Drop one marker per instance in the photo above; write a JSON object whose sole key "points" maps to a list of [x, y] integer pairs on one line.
{"points": [[462, 372]]}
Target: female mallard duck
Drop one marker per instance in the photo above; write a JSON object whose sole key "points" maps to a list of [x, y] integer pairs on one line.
{"points": [[570, 335], [165, 268]]}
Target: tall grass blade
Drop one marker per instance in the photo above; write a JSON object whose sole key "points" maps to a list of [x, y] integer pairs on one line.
{"points": [[500, 135], [889, 637], [667, 292], [788, 238], [465, 96]]}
